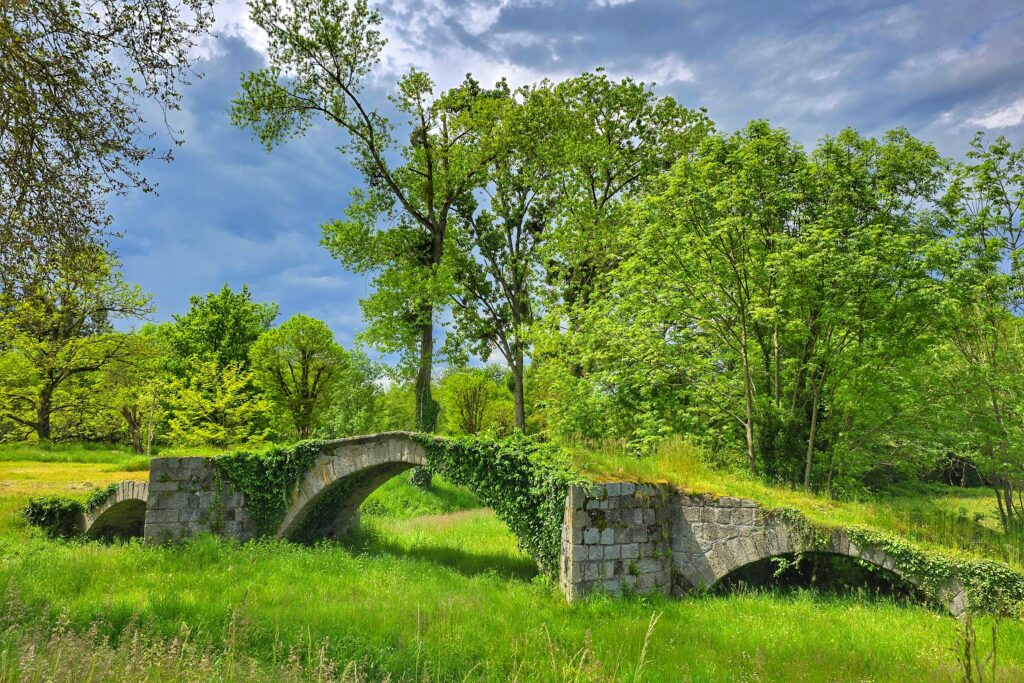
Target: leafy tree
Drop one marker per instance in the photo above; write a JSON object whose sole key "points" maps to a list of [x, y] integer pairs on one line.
{"points": [[767, 287], [221, 327], [615, 138], [983, 361], [498, 266], [299, 365], [355, 405], [320, 54], [135, 387], [215, 405], [75, 79], [468, 398], [59, 330]]}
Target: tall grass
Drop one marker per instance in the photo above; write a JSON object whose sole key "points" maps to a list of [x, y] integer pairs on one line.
{"points": [[942, 517]]}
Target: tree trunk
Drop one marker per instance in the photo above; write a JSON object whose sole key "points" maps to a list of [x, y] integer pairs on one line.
{"points": [[43, 411], [426, 407], [518, 391], [810, 437]]}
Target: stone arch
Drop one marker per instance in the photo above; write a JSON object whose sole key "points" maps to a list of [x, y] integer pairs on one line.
{"points": [[326, 502], [720, 536], [122, 514]]}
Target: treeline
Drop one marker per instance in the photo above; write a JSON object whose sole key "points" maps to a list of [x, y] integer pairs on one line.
{"points": [[226, 373], [834, 318]]}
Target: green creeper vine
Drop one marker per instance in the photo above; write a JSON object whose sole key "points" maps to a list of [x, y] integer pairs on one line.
{"points": [[524, 481], [99, 497], [268, 478], [991, 586], [61, 517], [58, 516]]}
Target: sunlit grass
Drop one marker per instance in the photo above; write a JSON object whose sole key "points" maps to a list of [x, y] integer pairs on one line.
{"points": [[943, 517], [445, 597]]}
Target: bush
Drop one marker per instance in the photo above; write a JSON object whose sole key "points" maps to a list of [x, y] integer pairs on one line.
{"points": [[57, 516]]}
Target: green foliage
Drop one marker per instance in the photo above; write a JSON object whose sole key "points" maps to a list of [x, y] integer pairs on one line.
{"points": [[100, 496], [217, 405], [58, 516], [991, 586], [268, 478], [474, 400], [523, 480], [58, 335], [220, 327], [299, 365]]}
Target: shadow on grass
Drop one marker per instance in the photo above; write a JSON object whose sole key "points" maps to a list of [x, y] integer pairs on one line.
{"points": [[372, 541]]}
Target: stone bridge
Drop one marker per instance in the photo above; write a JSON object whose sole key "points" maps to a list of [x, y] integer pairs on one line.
{"points": [[646, 538], [122, 514], [616, 537]]}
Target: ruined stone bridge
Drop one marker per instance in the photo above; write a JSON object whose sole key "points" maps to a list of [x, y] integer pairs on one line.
{"points": [[616, 537]]}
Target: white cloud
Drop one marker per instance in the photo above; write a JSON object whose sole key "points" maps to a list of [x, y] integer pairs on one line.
{"points": [[232, 21], [1004, 117]]}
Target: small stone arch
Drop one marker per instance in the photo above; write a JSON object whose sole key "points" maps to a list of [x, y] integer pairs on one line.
{"points": [[326, 502], [121, 515], [738, 533]]}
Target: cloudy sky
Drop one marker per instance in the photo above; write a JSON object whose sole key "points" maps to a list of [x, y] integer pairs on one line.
{"points": [[229, 212]]}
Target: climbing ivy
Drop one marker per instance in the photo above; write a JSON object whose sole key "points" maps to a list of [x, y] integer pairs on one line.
{"points": [[523, 480], [268, 478], [99, 497], [991, 586], [56, 515]]}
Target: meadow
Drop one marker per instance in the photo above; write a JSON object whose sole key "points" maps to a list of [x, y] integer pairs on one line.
{"points": [[433, 587]]}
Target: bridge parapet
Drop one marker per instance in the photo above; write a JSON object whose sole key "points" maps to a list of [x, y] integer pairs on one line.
{"points": [[623, 537]]}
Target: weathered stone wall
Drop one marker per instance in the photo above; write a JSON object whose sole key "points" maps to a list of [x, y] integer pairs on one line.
{"points": [[616, 537], [713, 536], [621, 537], [188, 496]]}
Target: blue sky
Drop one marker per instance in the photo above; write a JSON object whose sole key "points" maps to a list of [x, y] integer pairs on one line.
{"points": [[229, 212]]}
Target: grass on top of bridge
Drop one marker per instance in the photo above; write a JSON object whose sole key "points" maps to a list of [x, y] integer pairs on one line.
{"points": [[937, 517]]}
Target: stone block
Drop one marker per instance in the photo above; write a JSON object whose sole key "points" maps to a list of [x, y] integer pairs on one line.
{"points": [[630, 551], [595, 552], [612, 552], [161, 516], [591, 535], [608, 536]]}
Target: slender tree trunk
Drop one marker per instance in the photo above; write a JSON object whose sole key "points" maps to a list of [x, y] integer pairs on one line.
{"points": [[133, 418], [810, 437], [518, 391], [748, 403]]}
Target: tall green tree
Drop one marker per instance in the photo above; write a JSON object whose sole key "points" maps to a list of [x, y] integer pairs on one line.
{"points": [[320, 55], [299, 365], [59, 327], [498, 268], [221, 326], [215, 405], [135, 387], [75, 81], [765, 284], [984, 281]]}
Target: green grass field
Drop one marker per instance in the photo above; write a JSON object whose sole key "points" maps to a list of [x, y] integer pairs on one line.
{"points": [[432, 588]]}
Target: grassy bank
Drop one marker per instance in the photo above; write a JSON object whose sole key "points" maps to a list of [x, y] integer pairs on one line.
{"points": [[433, 588], [936, 517]]}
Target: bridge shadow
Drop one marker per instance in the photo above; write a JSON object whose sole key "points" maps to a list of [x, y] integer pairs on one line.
{"points": [[824, 574], [370, 540]]}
